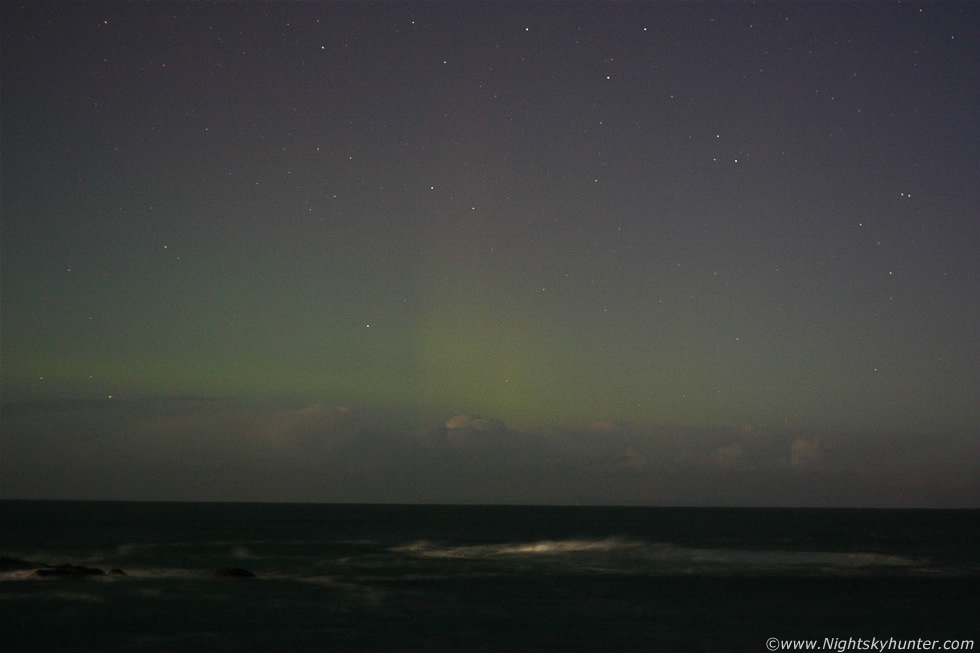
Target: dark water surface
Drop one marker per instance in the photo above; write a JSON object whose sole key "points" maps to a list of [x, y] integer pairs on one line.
{"points": [[498, 578]]}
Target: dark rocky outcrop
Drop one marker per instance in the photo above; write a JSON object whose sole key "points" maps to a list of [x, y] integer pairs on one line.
{"points": [[71, 571], [66, 570], [233, 572], [13, 564]]}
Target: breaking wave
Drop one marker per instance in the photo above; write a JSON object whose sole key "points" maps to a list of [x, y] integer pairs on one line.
{"points": [[634, 556]]}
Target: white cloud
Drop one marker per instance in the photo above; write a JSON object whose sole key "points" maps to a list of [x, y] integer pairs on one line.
{"points": [[610, 426], [805, 453], [729, 456], [476, 423]]}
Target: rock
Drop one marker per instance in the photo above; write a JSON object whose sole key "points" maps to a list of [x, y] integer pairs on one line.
{"points": [[72, 571], [13, 564], [233, 572]]}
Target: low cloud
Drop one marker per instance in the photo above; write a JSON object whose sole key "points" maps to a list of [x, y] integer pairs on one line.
{"points": [[729, 456], [191, 449], [805, 453], [475, 423]]}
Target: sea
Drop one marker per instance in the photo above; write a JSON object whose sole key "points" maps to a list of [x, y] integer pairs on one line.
{"points": [[333, 577]]}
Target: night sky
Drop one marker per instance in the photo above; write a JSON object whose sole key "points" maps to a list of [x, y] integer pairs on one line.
{"points": [[645, 252]]}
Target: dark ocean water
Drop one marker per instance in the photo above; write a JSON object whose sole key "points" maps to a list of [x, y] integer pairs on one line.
{"points": [[496, 578]]}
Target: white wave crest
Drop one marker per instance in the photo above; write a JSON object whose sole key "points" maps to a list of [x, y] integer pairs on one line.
{"points": [[543, 548], [660, 558]]}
